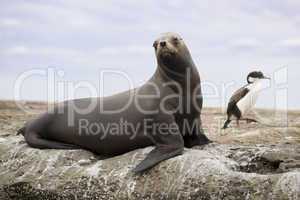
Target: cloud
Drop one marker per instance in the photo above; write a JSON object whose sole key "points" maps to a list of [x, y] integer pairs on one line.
{"points": [[17, 50], [246, 43], [9, 22], [62, 52], [290, 43], [38, 14], [130, 49]]}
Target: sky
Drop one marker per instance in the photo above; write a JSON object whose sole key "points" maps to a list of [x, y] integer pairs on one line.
{"points": [[76, 40]]}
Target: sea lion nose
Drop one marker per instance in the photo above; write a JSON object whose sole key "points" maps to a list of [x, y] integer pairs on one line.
{"points": [[162, 43]]}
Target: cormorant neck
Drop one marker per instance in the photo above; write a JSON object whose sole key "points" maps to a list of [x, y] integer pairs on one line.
{"points": [[251, 80]]}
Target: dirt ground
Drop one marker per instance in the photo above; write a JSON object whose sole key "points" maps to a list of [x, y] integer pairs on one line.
{"points": [[274, 127]]}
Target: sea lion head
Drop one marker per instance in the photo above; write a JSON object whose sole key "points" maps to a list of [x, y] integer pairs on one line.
{"points": [[171, 51]]}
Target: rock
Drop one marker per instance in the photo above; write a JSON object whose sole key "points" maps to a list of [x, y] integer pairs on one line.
{"points": [[216, 171], [220, 170]]}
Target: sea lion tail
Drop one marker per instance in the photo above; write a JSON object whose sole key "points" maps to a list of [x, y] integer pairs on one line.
{"points": [[21, 131]]}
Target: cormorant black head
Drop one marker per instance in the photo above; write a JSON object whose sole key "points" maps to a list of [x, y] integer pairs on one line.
{"points": [[255, 75]]}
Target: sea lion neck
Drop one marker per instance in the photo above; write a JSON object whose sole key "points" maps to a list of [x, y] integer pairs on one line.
{"points": [[178, 71]]}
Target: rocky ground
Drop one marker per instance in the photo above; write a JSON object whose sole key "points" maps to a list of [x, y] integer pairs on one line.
{"points": [[252, 161]]}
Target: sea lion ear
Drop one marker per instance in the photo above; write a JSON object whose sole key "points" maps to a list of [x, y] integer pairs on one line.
{"points": [[155, 44]]}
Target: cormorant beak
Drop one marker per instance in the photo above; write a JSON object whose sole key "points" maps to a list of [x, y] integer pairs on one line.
{"points": [[266, 78]]}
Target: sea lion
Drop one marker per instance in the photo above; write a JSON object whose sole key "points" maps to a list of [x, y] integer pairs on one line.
{"points": [[164, 112]]}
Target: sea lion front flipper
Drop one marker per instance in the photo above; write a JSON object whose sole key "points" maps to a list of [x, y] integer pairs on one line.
{"points": [[160, 153], [168, 143]]}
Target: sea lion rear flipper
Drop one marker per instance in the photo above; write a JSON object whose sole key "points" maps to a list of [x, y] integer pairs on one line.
{"points": [[35, 141], [21, 131], [168, 143]]}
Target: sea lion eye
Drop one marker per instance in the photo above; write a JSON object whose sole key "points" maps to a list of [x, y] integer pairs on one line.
{"points": [[155, 44], [175, 40]]}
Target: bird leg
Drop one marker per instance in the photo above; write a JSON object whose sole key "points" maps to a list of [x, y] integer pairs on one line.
{"points": [[238, 122]]}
